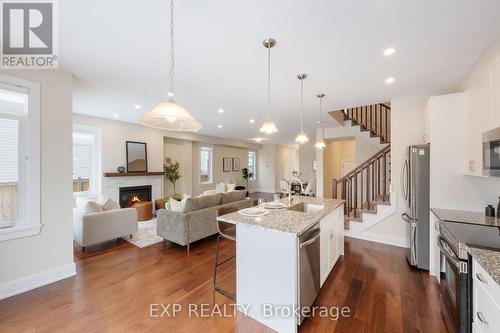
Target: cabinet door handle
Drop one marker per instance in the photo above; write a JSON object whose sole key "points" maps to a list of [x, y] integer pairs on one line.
{"points": [[481, 278], [482, 319], [472, 165]]}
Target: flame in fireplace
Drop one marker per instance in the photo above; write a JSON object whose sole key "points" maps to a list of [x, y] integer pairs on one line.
{"points": [[134, 199]]}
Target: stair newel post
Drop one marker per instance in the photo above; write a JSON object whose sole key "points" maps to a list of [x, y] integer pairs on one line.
{"points": [[373, 180], [379, 115], [361, 189], [334, 188], [384, 160], [355, 194], [378, 176], [368, 185], [386, 125]]}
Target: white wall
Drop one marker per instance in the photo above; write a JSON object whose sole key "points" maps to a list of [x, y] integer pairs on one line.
{"points": [[287, 160], [33, 261], [218, 153], [181, 151], [266, 161], [307, 154], [407, 123]]}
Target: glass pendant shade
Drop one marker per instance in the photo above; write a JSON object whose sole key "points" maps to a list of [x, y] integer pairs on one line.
{"points": [[268, 127], [320, 144], [170, 116], [301, 137]]}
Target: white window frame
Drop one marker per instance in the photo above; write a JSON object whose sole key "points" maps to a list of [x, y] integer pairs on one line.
{"points": [[254, 153], [29, 173], [210, 166], [95, 180]]}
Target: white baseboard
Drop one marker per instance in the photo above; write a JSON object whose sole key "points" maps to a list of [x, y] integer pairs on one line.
{"points": [[381, 238], [22, 285]]}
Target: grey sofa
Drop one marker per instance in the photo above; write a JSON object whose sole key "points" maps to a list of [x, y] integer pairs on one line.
{"points": [[93, 228], [199, 218]]}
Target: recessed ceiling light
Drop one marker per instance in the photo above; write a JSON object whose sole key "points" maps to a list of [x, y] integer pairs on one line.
{"points": [[251, 121], [389, 51], [389, 80], [116, 115], [258, 139], [219, 126], [220, 110], [137, 107]]}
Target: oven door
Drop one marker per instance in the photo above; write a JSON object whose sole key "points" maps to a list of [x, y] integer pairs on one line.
{"points": [[454, 288]]}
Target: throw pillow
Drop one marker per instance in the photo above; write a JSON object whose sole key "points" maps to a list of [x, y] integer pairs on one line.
{"points": [[230, 187], [110, 204], [92, 207], [220, 187]]}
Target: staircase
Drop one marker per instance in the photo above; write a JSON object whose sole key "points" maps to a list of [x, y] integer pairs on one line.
{"points": [[366, 189]]}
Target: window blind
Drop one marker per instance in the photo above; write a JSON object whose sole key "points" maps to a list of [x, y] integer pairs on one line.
{"points": [[9, 150]]}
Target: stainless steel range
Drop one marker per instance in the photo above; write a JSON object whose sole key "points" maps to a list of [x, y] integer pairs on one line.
{"points": [[456, 269]]}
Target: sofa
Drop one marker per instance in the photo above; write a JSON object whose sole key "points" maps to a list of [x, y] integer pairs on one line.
{"points": [[97, 227], [198, 218]]}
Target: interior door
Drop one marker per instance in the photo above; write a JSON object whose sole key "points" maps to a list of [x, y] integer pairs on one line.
{"points": [[347, 166]]}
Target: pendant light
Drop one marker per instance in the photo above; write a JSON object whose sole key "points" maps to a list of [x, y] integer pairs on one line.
{"points": [[320, 142], [170, 115], [269, 127], [301, 137]]}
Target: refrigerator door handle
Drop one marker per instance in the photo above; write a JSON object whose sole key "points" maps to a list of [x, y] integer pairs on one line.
{"points": [[404, 180], [413, 244], [406, 217]]}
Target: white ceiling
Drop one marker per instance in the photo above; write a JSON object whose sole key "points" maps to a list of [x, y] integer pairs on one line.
{"points": [[118, 51]]}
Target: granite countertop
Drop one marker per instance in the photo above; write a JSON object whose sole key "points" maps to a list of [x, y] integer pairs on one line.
{"points": [[285, 220], [463, 216], [488, 259]]}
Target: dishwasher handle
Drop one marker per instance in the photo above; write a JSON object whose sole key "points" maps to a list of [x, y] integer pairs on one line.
{"points": [[311, 240]]}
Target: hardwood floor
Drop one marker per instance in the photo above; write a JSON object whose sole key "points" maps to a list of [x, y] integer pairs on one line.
{"points": [[115, 286]]}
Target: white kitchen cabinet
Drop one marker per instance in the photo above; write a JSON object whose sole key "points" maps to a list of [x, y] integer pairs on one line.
{"points": [[482, 113], [434, 253], [331, 241], [485, 302]]}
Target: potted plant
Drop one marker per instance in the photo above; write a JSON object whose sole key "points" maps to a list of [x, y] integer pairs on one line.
{"points": [[172, 172], [246, 175]]}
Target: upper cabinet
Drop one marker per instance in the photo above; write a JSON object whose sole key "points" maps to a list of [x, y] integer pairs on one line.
{"points": [[482, 113]]}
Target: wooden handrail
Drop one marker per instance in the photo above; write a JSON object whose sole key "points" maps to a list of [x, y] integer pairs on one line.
{"points": [[374, 118], [378, 154], [368, 182]]}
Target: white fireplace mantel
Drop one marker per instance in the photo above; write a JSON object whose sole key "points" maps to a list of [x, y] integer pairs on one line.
{"points": [[111, 185]]}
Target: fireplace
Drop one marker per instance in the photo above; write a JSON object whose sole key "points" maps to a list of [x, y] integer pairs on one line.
{"points": [[134, 194]]}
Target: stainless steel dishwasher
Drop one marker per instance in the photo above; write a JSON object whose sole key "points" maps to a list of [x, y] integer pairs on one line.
{"points": [[309, 267]]}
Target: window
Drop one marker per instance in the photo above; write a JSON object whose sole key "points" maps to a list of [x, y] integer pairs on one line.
{"points": [[85, 160], [19, 158], [252, 164], [205, 165]]}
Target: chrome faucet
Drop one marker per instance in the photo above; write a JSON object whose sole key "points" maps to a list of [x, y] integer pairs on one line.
{"points": [[290, 189]]}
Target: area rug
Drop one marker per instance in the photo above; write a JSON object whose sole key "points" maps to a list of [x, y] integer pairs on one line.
{"points": [[146, 234]]}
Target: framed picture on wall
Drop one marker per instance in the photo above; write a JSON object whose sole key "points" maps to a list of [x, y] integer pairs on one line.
{"points": [[137, 156], [226, 164], [236, 164]]}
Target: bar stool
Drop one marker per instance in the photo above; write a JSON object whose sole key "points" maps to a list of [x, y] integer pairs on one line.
{"points": [[226, 231]]}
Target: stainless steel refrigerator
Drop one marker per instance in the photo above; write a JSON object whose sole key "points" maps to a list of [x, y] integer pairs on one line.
{"points": [[415, 183]]}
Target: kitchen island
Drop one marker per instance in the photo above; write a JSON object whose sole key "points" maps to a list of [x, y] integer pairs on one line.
{"points": [[277, 258]]}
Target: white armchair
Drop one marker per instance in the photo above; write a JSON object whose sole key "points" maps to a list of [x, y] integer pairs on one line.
{"points": [[93, 228]]}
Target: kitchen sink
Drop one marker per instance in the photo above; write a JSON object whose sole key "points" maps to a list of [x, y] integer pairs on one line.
{"points": [[306, 208]]}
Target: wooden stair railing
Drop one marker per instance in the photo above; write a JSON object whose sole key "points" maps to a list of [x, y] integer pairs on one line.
{"points": [[365, 186], [375, 118]]}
